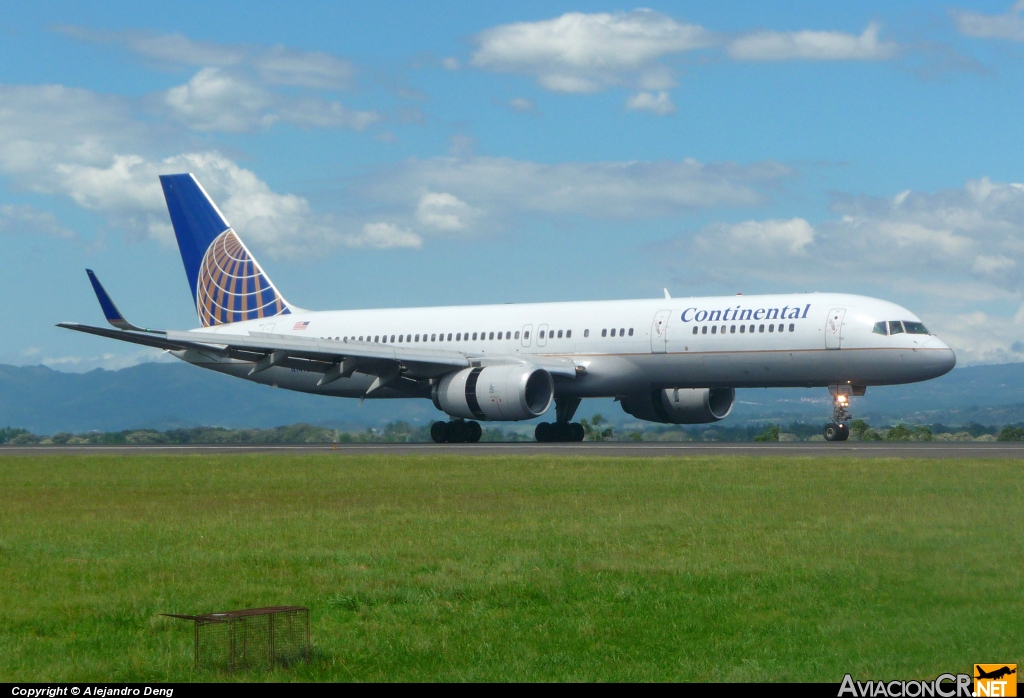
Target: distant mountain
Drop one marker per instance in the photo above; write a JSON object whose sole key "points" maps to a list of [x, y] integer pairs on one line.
{"points": [[169, 395]]}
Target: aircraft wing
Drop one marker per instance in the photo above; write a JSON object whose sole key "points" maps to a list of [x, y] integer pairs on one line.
{"points": [[333, 358]]}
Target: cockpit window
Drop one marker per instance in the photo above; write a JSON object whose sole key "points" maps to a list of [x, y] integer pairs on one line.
{"points": [[915, 327], [895, 327], [879, 328]]}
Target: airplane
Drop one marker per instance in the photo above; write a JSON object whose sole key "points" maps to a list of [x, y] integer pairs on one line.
{"points": [[995, 673], [666, 360]]}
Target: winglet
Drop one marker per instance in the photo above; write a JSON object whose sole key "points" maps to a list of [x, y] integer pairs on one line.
{"points": [[668, 297], [110, 311]]}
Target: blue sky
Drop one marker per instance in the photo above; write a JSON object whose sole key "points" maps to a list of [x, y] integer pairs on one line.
{"points": [[384, 154]]}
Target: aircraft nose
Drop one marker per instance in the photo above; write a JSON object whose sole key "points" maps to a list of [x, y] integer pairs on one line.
{"points": [[941, 357]]}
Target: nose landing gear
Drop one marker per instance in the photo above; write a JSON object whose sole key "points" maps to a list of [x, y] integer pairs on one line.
{"points": [[838, 429]]}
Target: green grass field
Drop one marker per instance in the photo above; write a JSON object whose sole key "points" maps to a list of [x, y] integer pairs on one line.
{"points": [[518, 568]]}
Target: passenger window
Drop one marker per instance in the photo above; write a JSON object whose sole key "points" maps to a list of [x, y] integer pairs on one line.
{"points": [[732, 329], [559, 334], [458, 337], [630, 331], [542, 334], [604, 333], [743, 328], [723, 329], [474, 336], [400, 338], [517, 335], [895, 327], [376, 339], [622, 331], [449, 336], [792, 327], [360, 338], [586, 333], [714, 329], [914, 327], [760, 328], [771, 328], [568, 334], [704, 330], [499, 335], [526, 335], [879, 328], [392, 339], [695, 329], [492, 336]]}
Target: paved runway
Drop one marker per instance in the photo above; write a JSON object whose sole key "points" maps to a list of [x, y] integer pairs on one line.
{"points": [[848, 449]]}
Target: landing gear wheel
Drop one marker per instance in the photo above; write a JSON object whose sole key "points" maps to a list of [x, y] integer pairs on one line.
{"points": [[543, 432], [439, 432], [473, 432], [578, 433], [458, 432], [836, 431]]}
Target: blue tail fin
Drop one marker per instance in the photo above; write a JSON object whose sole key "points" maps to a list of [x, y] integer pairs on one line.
{"points": [[228, 284]]}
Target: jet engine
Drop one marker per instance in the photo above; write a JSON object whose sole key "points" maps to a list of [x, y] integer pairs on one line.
{"points": [[502, 393], [681, 405]]}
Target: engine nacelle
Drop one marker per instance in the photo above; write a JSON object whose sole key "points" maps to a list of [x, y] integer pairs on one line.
{"points": [[681, 405], [502, 393]]}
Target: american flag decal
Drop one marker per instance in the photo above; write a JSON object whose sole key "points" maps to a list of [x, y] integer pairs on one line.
{"points": [[301, 325]]}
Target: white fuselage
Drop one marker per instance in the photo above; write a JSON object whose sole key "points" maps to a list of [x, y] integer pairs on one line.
{"points": [[630, 347]]}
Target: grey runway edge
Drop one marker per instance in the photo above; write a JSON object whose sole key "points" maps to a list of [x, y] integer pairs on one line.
{"points": [[848, 449]]}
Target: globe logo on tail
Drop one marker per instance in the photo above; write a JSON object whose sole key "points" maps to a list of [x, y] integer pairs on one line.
{"points": [[232, 286]]}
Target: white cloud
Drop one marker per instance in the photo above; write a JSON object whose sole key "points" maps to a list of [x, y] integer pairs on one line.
{"points": [[450, 63], [24, 219], [580, 52], [659, 104], [521, 104], [214, 100], [385, 236], [109, 361], [812, 45], [759, 238], [88, 147], [506, 188], [274, 65], [1005, 26], [443, 212]]}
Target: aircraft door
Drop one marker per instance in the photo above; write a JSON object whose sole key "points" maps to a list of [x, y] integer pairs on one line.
{"points": [[527, 329], [834, 328], [659, 331], [542, 336]]}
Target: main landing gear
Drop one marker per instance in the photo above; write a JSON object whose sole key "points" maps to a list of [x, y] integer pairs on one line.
{"points": [[563, 429], [456, 432], [838, 429], [546, 432]]}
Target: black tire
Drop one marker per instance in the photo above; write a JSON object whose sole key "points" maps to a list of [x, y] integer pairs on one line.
{"points": [[458, 431], [439, 432], [543, 433], [473, 432], [560, 432], [578, 433], [844, 432], [831, 431]]}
